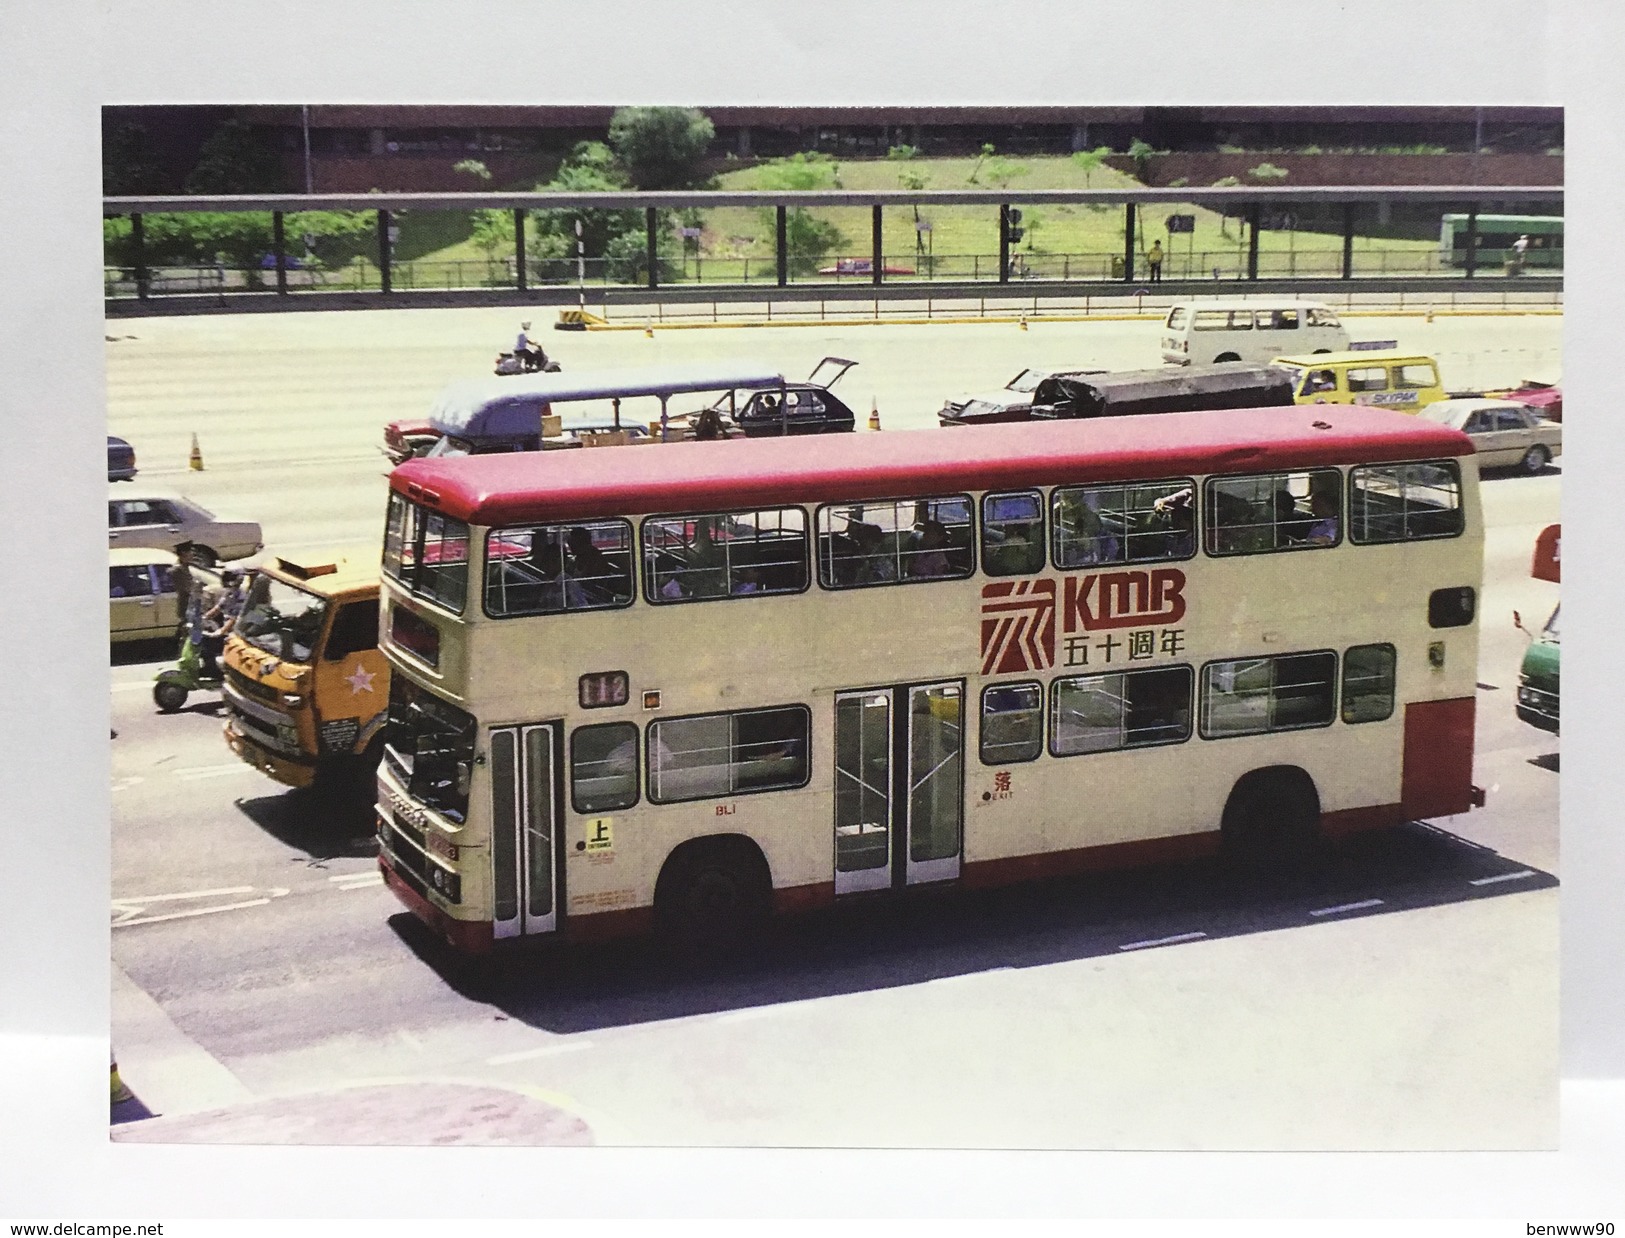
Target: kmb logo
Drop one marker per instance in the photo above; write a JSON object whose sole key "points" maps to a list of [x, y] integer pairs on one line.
{"points": [[1018, 616]]}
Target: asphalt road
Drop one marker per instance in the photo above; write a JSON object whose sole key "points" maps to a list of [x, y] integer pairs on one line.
{"points": [[1403, 995]]}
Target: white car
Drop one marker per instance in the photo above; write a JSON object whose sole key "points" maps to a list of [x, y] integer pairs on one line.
{"points": [[1505, 433], [163, 521]]}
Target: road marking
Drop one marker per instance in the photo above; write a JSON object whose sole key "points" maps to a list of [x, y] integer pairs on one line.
{"points": [[358, 881], [1517, 876], [199, 772], [1342, 907], [127, 911], [125, 783], [503, 1059], [1163, 941]]}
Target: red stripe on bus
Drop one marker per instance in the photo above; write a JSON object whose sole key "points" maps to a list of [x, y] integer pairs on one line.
{"points": [[521, 487], [1348, 821], [982, 874], [1437, 777]]}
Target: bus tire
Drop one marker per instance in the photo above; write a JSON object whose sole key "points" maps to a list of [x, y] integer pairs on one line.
{"points": [[713, 895], [1271, 820], [1534, 460]]}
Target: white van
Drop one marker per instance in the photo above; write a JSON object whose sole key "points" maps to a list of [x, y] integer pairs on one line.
{"points": [[1207, 332]]}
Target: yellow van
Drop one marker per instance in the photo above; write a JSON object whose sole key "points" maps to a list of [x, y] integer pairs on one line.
{"points": [[1392, 379]]}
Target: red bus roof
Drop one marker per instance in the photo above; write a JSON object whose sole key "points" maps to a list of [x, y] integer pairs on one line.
{"points": [[739, 474]]}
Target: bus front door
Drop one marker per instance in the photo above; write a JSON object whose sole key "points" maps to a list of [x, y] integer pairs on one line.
{"points": [[899, 786], [525, 789]]}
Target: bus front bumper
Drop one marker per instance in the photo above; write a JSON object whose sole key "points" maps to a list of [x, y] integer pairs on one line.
{"points": [[465, 936]]}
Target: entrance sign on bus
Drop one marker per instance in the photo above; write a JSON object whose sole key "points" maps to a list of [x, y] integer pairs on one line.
{"points": [[864, 663]]}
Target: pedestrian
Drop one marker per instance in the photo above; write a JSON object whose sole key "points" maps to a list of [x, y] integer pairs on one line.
{"points": [[180, 579], [1520, 247], [1153, 260]]}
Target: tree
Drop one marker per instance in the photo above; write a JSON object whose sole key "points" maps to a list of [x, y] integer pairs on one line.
{"points": [[473, 168], [1267, 172], [985, 154], [238, 240], [1000, 171], [236, 159], [662, 147], [1090, 162], [1141, 153], [808, 239], [591, 168], [128, 167]]}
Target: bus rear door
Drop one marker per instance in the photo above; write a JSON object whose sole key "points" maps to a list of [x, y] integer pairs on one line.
{"points": [[899, 786]]}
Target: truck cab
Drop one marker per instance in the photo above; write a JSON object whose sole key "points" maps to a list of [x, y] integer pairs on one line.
{"points": [[306, 687]]}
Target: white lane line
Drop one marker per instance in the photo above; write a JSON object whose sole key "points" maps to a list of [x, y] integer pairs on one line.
{"points": [[212, 771], [357, 881], [128, 781], [1517, 876], [503, 1059], [1342, 907], [1163, 941], [127, 911], [196, 911]]}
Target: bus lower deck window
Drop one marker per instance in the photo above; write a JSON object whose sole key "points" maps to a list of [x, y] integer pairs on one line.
{"points": [[1129, 709], [604, 767], [715, 755], [1012, 723], [1252, 696]]}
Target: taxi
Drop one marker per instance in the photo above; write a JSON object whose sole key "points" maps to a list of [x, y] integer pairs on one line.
{"points": [[1387, 378]]}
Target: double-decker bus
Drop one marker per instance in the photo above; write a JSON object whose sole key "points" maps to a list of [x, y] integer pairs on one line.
{"points": [[687, 688]]}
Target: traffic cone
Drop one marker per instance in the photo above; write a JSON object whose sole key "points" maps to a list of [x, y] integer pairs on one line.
{"points": [[1024, 322], [1430, 314], [195, 463], [649, 327], [874, 415], [118, 1093]]}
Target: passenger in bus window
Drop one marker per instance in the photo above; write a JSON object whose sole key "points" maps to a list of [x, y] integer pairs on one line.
{"points": [[746, 580], [1323, 506], [706, 575], [1176, 515], [1084, 537], [873, 564], [1292, 527], [597, 577], [927, 555], [559, 592]]}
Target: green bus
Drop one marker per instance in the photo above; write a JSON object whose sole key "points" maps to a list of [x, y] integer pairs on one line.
{"points": [[1496, 235]]}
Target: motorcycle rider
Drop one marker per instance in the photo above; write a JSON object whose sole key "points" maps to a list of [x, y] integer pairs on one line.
{"points": [[530, 357]]}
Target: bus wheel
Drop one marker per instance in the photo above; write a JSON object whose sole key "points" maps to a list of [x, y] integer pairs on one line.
{"points": [[1535, 459], [713, 896], [1271, 820]]}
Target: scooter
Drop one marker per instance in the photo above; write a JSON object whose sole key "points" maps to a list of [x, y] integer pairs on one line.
{"points": [[188, 675], [533, 362]]}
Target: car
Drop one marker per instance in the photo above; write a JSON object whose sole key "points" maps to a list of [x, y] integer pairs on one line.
{"points": [[141, 603], [407, 438], [289, 262], [861, 266], [1545, 398], [1012, 402], [1506, 433], [808, 407], [162, 521], [120, 460]]}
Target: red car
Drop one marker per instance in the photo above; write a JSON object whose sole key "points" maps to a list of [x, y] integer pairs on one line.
{"points": [[1545, 398]]}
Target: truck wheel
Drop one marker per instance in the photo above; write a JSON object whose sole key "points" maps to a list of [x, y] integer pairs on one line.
{"points": [[1534, 460], [168, 696], [713, 896]]}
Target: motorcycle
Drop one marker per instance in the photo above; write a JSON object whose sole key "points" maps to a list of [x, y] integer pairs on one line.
{"points": [[188, 675], [533, 362]]}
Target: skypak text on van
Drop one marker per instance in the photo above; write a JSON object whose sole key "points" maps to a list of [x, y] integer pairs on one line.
{"points": [[1403, 381], [1210, 332]]}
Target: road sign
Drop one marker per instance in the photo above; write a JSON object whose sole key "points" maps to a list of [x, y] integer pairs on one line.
{"points": [[1182, 223]]}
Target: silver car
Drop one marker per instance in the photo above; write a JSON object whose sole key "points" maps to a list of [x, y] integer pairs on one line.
{"points": [[1505, 433], [163, 521]]}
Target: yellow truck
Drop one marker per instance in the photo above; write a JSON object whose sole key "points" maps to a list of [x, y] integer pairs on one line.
{"points": [[306, 688]]}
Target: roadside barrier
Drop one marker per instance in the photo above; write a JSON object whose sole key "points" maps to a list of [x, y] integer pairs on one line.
{"points": [[195, 461]]}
